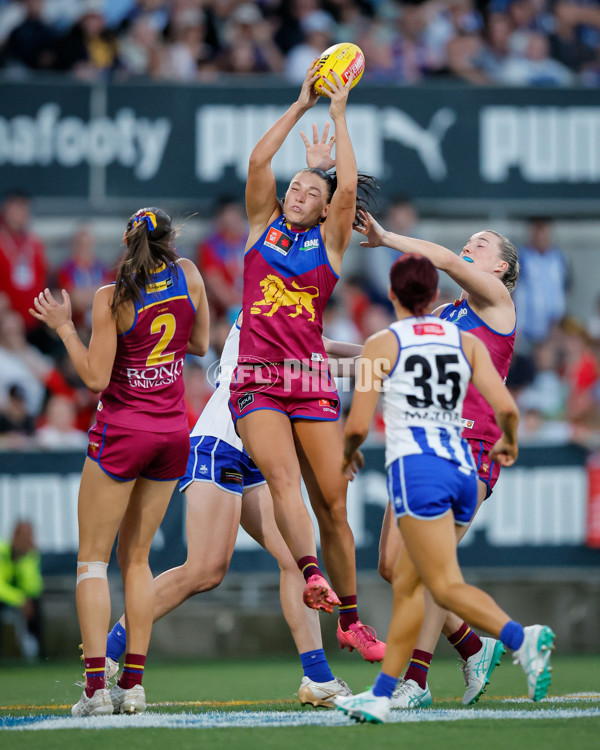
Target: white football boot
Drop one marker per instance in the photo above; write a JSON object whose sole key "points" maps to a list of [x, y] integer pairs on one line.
{"points": [[408, 694], [478, 668], [130, 701], [322, 693], [534, 657], [365, 707], [99, 704]]}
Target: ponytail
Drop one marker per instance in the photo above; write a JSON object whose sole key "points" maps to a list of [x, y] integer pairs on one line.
{"points": [[149, 238]]}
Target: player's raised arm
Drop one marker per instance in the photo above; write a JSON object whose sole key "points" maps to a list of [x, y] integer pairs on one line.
{"points": [[261, 189], [483, 282]]}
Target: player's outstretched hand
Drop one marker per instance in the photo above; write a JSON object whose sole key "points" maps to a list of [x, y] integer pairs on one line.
{"points": [[318, 153], [337, 93], [351, 465], [308, 96], [504, 452], [370, 229], [49, 311]]}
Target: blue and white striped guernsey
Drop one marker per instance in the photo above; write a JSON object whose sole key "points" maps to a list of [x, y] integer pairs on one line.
{"points": [[424, 392]]}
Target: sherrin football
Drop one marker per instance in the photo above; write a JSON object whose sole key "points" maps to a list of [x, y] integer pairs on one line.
{"points": [[344, 59]]}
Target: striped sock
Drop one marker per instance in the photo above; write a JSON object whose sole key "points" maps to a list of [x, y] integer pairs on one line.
{"points": [[309, 566], [94, 675], [465, 641], [348, 610], [133, 671], [418, 667]]}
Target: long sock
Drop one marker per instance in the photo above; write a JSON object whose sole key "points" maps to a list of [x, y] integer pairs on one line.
{"points": [[94, 675], [348, 610], [465, 641], [512, 635], [133, 671], [384, 685], [418, 667], [309, 566], [116, 642], [316, 666]]}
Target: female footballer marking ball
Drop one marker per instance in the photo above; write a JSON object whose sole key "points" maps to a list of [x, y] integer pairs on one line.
{"points": [[344, 59]]}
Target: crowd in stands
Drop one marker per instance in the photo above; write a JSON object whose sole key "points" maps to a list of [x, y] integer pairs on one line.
{"points": [[555, 374], [486, 42]]}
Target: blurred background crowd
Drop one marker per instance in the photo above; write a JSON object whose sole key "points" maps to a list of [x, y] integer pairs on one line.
{"points": [[503, 42], [555, 374]]}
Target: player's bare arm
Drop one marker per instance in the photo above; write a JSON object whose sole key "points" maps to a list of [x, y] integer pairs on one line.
{"points": [[199, 335], [262, 206], [483, 287], [337, 229], [93, 364]]}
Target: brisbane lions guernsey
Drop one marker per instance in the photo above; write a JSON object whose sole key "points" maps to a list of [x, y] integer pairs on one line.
{"points": [[424, 392], [478, 416], [146, 390], [287, 283]]}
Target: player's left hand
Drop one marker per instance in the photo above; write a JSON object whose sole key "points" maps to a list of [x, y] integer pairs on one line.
{"points": [[49, 311], [337, 93], [369, 228], [318, 153], [504, 453], [352, 464]]}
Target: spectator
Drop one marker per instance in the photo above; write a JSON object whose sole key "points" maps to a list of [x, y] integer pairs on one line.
{"points": [[534, 66], [21, 585], [22, 363], [582, 374], [16, 425], [594, 322], [140, 49], [59, 431], [188, 47], [250, 47], [221, 258], [22, 257], [541, 293], [546, 394], [31, 44], [88, 49], [81, 276], [318, 29]]}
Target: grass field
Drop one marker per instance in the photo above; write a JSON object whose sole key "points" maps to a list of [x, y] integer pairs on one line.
{"points": [[261, 694]]}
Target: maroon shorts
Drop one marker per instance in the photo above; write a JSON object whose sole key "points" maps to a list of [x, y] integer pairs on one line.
{"points": [[488, 471], [299, 392], [125, 454]]}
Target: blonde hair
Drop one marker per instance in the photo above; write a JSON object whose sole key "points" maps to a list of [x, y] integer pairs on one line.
{"points": [[508, 252]]}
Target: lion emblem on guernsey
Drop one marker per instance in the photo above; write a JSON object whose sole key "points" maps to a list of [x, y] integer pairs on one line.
{"points": [[277, 295]]}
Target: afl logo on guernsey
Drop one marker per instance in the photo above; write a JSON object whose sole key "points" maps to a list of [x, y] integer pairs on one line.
{"points": [[278, 240]]}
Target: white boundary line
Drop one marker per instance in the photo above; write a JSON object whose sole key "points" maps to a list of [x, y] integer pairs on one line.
{"points": [[250, 719]]}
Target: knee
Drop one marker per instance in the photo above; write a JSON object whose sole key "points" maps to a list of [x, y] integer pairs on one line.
{"points": [[282, 480], [196, 580], [333, 510], [404, 586], [385, 569], [441, 591]]}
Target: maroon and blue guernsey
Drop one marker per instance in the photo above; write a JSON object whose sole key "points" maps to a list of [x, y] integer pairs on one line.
{"points": [[478, 415], [146, 390], [287, 283]]}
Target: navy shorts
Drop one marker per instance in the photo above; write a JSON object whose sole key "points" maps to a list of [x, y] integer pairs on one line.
{"points": [[427, 487], [213, 460]]}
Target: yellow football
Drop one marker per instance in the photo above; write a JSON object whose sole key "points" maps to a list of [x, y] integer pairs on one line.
{"points": [[345, 59]]}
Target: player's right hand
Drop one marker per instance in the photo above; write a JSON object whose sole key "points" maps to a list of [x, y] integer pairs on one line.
{"points": [[504, 452]]}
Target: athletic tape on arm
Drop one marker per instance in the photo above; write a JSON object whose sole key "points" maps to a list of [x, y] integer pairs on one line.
{"points": [[95, 569]]}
